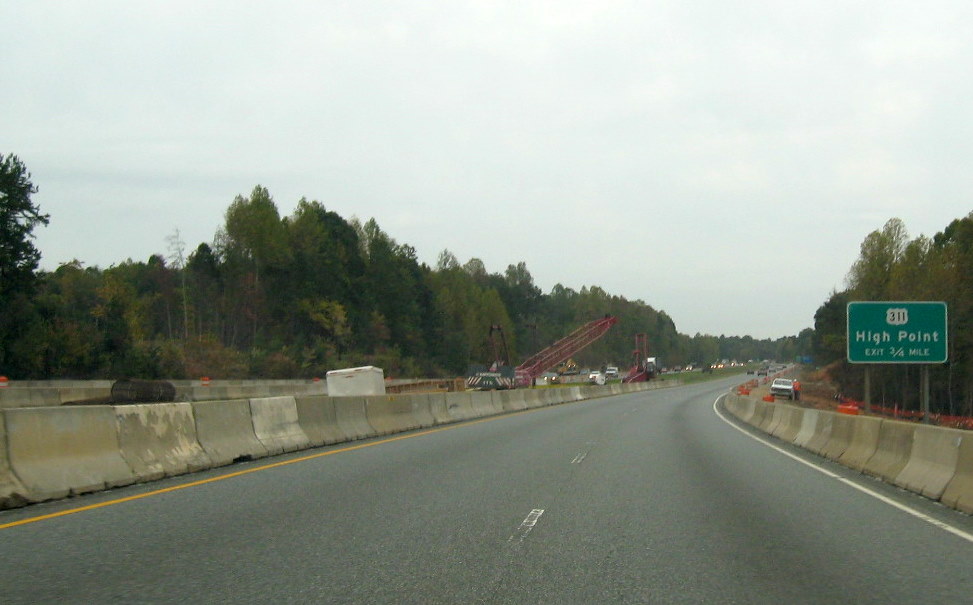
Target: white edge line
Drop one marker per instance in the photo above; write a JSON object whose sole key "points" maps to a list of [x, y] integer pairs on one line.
{"points": [[904, 508]]}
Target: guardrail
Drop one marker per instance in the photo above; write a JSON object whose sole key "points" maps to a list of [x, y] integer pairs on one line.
{"points": [[50, 452]]}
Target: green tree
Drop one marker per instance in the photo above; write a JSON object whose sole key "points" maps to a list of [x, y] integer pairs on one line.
{"points": [[19, 322], [252, 245], [18, 218], [870, 277]]}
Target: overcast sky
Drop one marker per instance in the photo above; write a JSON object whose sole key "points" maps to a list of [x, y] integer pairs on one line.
{"points": [[721, 161]]}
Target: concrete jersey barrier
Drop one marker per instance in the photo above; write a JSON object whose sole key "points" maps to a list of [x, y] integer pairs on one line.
{"points": [[437, 407], [822, 432], [459, 405], [317, 417], [512, 401], [959, 492], [933, 461], [224, 429], [842, 427], [790, 424], [159, 440], [56, 452], [893, 450], [17, 397], [12, 491], [809, 423], [276, 425], [483, 404], [351, 417], [864, 442], [390, 414]]}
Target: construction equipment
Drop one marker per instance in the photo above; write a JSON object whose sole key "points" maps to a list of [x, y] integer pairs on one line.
{"points": [[562, 350], [499, 375], [643, 367]]}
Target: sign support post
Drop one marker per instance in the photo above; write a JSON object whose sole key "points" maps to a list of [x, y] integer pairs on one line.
{"points": [[868, 389], [924, 395]]}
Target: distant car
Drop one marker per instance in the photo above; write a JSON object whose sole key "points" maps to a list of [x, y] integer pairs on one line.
{"points": [[596, 377], [782, 387], [547, 378], [611, 372], [762, 371]]}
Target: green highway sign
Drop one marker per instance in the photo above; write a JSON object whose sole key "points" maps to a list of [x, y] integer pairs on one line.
{"points": [[897, 332]]}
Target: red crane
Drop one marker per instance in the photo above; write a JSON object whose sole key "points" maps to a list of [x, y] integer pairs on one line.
{"points": [[562, 350], [643, 368]]}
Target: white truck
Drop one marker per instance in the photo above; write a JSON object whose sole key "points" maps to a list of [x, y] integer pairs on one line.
{"points": [[782, 387]]}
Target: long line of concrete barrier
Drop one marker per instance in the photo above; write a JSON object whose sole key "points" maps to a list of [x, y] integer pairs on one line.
{"points": [[55, 451], [28, 393], [936, 462]]}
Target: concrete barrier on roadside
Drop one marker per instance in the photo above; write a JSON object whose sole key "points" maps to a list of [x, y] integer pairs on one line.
{"points": [[547, 397], [771, 418], [822, 432], [349, 411], [734, 404], [12, 491], [747, 406], [276, 425], [56, 452], [69, 394], [864, 442], [591, 392], [159, 440], [533, 399], [790, 424], [761, 409], [422, 409], [317, 417], [513, 400], [224, 429], [460, 405], [437, 406], [22, 397], [842, 427], [809, 422], [959, 492], [483, 404], [895, 439], [933, 461], [394, 413]]}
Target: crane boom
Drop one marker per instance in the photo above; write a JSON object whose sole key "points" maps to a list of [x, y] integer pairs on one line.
{"points": [[562, 350]]}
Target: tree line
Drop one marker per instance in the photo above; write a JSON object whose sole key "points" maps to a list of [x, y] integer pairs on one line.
{"points": [[295, 296], [893, 267]]}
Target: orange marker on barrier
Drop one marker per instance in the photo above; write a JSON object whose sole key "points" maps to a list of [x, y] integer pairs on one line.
{"points": [[204, 381], [3, 381]]}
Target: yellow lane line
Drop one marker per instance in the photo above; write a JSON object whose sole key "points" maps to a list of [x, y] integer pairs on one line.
{"points": [[264, 467]]}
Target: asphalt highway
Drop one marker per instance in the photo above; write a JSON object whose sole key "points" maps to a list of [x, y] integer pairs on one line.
{"points": [[641, 498]]}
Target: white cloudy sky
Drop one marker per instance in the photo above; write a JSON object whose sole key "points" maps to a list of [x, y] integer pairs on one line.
{"points": [[721, 161]]}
